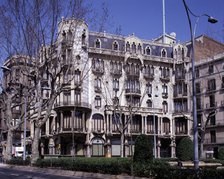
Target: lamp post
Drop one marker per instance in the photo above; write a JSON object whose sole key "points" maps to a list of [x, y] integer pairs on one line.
{"points": [[192, 33]]}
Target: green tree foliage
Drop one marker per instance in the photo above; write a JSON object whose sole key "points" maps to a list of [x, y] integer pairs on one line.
{"points": [[221, 154], [185, 149], [143, 149]]}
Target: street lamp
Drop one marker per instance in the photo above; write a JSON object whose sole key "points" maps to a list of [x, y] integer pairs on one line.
{"points": [[195, 125]]}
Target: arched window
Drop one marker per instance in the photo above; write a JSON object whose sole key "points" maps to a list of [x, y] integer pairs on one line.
{"points": [[133, 47], [128, 47], [77, 77], [97, 101], [97, 83], [166, 125], [139, 48], [115, 46], [149, 103], [165, 107], [149, 89], [97, 147], [148, 50], [163, 53], [98, 43], [97, 125]]}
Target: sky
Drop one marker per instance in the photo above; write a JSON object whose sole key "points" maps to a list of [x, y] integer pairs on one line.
{"points": [[144, 17]]}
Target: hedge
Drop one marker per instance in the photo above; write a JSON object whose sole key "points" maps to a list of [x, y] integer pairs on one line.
{"points": [[158, 168]]}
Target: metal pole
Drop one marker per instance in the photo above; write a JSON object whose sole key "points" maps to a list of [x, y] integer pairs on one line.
{"points": [[24, 132], [164, 21], [154, 137], [195, 122]]}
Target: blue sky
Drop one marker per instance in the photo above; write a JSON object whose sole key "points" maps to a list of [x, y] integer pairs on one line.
{"points": [[144, 17]]}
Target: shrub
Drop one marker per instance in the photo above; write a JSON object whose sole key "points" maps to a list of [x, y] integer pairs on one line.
{"points": [[221, 154], [185, 149], [97, 165], [143, 149], [18, 161]]}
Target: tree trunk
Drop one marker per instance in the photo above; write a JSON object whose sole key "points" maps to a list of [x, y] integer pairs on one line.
{"points": [[8, 154], [122, 145], [35, 146]]}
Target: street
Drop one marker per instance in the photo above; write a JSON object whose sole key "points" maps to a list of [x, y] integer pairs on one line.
{"points": [[10, 173]]}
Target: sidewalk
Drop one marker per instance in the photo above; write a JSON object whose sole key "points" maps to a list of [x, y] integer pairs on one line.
{"points": [[60, 172]]}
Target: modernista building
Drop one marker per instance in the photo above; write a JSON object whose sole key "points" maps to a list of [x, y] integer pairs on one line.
{"points": [[130, 85]]}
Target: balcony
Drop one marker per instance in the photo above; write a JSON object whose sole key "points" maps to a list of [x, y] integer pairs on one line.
{"points": [[180, 95], [210, 126], [181, 133], [179, 77], [66, 43], [133, 74], [76, 129], [135, 92], [165, 79], [98, 71], [66, 104], [214, 141], [165, 95], [211, 90], [116, 72], [210, 106], [180, 111], [148, 76], [97, 89]]}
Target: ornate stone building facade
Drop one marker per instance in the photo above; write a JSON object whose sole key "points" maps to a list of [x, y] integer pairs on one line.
{"points": [[122, 86]]}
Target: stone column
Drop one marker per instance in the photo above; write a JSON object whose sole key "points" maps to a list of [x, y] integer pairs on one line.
{"points": [[88, 153], [108, 148], [61, 118], [83, 121], [145, 124], [47, 127], [173, 147], [158, 147], [143, 121]]}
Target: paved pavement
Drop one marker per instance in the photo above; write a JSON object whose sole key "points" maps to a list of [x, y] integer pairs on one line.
{"points": [[58, 172]]}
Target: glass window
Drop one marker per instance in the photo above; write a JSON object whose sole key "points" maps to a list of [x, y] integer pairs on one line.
{"points": [[97, 101], [98, 123], [165, 107], [149, 103], [163, 53], [213, 136], [115, 46], [128, 47], [148, 51], [211, 69], [97, 43]]}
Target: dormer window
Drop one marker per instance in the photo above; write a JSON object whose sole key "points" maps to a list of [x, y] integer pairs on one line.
{"points": [[83, 36], [139, 48], [97, 43], [163, 53], [128, 47], [115, 46], [133, 47], [148, 50]]}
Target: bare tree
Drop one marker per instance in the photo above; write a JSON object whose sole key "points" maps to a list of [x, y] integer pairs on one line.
{"points": [[31, 28], [118, 105]]}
